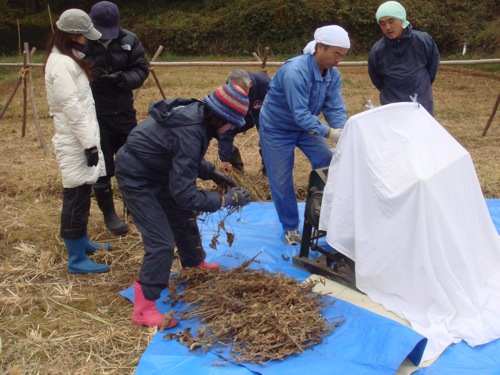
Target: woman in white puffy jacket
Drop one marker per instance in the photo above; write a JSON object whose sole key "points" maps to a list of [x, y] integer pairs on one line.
{"points": [[76, 141]]}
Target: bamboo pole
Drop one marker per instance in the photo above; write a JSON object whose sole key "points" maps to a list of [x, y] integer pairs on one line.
{"points": [[153, 73], [33, 105], [254, 54], [19, 37], [25, 91], [16, 86], [9, 100], [50, 18], [277, 63]]}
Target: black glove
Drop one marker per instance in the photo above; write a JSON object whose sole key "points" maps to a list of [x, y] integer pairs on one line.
{"points": [[92, 155], [237, 197], [116, 78], [221, 178], [97, 73]]}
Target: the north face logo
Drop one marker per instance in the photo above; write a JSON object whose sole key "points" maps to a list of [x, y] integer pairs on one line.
{"points": [[257, 104]]}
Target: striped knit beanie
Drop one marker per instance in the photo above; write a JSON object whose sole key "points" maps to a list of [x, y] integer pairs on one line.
{"points": [[230, 103]]}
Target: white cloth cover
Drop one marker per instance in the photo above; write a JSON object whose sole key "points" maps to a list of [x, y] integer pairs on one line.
{"points": [[403, 200]]}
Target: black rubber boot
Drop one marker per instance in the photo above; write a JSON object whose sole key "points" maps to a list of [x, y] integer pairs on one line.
{"points": [[104, 197], [236, 160]]}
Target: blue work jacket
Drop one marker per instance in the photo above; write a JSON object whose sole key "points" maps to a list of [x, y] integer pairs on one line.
{"points": [[298, 93]]}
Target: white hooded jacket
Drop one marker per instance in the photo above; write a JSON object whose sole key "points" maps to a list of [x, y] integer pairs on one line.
{"points": [[71, 105]]}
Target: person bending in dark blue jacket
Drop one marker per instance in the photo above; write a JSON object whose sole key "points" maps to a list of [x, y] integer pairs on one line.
{"points": [[119, 66], [255, 85], [156, 171], [404, 62]]}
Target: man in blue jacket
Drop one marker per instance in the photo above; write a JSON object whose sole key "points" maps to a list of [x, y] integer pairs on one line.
{"points": [[303, 87], [404, 62], [255, 85], [119, 66], [157, 170]]}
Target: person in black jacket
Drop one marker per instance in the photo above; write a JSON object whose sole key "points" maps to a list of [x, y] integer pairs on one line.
{"points": [[255, 85], [402, 64], [119, 66], [157, 169]]}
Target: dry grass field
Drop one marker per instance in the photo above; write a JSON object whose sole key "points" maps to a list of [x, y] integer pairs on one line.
{"points": [[55, 323]]}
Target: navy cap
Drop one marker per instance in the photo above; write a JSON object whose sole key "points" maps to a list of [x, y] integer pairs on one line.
{"points": [[106, 18]]}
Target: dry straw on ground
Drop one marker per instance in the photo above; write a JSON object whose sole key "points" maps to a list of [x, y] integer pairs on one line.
{"points": [[55, 323]]}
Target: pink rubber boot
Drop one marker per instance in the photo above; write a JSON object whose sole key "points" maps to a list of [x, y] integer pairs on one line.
{"points": [[209, 266], [145, 311], [205, 266]]}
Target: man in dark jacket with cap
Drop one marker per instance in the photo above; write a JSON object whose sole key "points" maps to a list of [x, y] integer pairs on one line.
{"points": [[119, 66], [157, 170]]}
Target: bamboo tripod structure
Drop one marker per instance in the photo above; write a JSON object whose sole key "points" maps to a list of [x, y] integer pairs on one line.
{"points": [[25, 78]]}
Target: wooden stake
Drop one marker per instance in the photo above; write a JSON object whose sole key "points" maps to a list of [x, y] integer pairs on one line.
{"points": [[264, 60], [493, 113], [153, 73]]}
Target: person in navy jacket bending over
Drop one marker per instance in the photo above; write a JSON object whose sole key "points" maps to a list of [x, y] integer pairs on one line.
{"points": [[157, 169]]}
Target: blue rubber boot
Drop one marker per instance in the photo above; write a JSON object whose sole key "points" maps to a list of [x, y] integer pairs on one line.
{"points": [[78, 262], [92, 247]]}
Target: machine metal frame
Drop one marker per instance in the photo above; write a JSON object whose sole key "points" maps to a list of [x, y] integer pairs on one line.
{"points": [[330, 264]]}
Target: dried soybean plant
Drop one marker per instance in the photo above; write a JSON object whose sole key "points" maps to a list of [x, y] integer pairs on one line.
{"points": [[216, 221], [208, 218], [258, 316]]}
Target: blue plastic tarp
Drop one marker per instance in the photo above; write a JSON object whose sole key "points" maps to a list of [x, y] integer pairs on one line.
{"points": [[461, 359], [494, 208], [365, 343]]}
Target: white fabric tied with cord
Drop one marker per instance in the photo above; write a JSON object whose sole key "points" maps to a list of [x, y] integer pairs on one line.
{"points": [[332, 35]]}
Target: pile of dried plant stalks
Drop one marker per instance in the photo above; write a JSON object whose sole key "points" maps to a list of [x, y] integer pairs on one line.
{"points": [[259, 316]]}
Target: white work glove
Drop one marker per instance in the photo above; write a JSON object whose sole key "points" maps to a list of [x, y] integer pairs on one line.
{"points": [[333, 136]]}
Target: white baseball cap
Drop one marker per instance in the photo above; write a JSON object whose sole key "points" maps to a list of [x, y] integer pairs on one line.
{"points": [[76, 21]]}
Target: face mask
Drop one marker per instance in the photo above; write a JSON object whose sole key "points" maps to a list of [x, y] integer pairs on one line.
{"points": [[77, 46]]}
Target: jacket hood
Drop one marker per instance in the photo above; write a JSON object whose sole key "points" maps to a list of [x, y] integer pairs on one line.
{"points": [[161, 110]]}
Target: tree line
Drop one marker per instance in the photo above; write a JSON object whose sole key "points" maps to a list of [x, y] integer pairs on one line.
{"points": [[239, 27]]}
